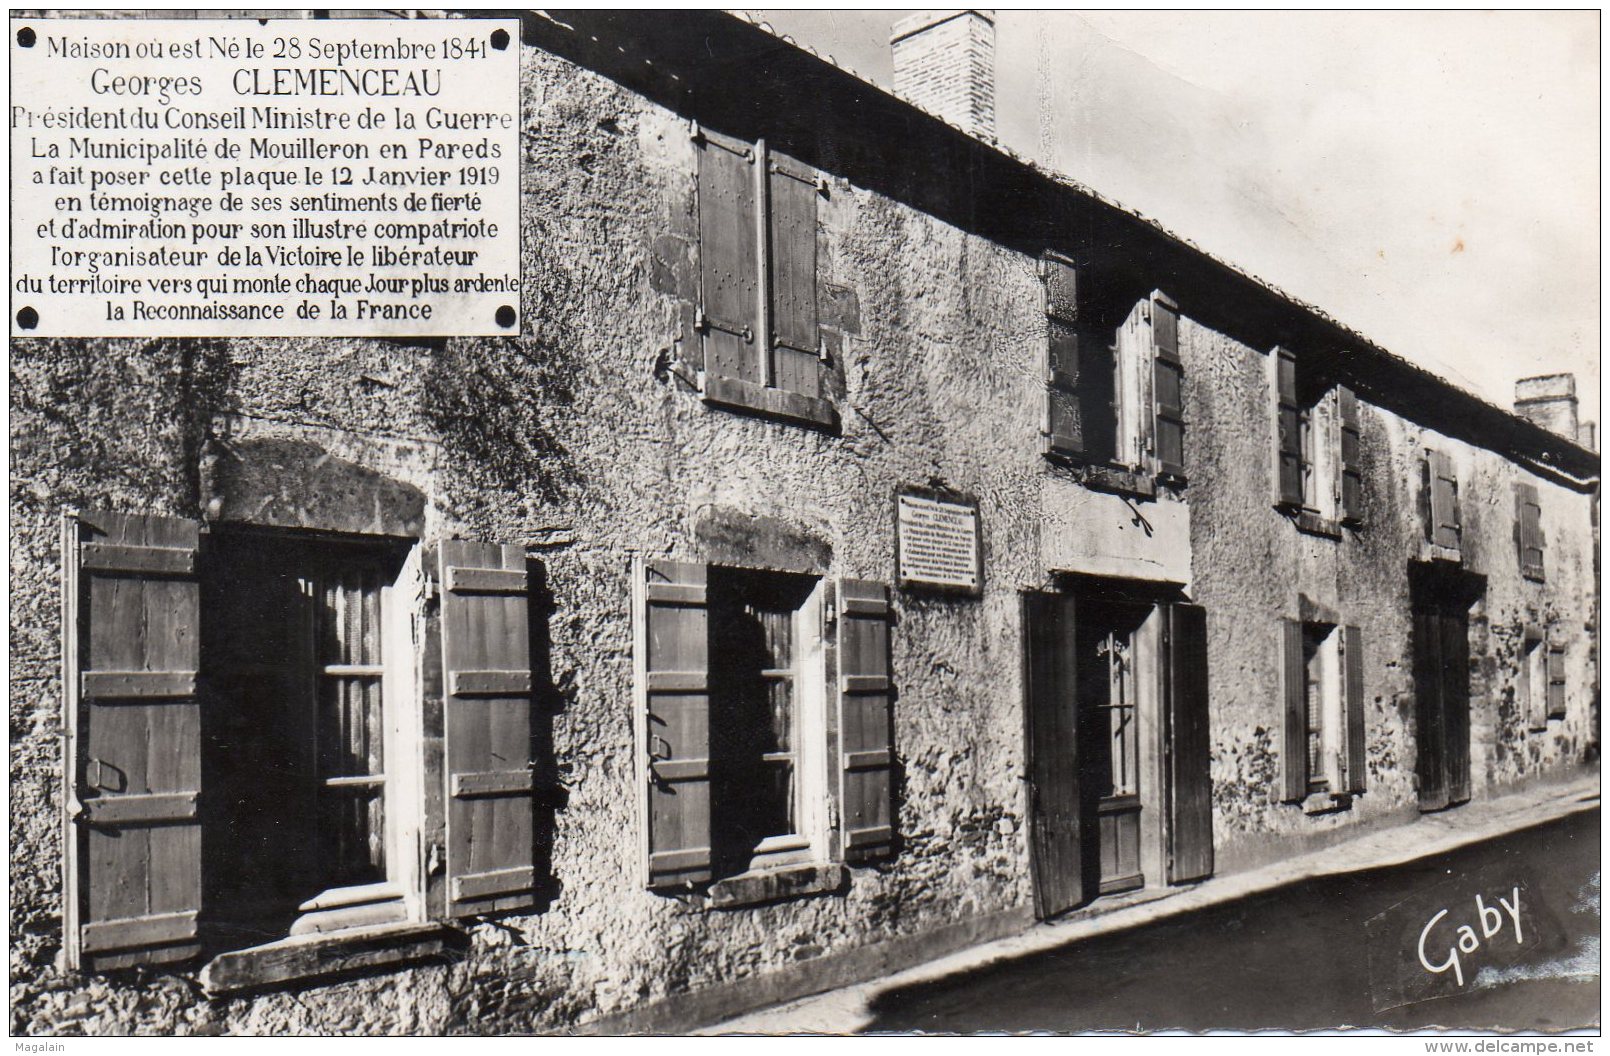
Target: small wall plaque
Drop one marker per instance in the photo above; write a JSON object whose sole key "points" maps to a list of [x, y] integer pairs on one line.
{"points": [[937, 544]]}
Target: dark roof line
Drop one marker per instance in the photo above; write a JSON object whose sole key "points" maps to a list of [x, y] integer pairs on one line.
{"points": [[836, 120]]}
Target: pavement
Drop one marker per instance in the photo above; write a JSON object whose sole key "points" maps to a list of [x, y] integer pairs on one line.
{"points": [[865, 1006]]}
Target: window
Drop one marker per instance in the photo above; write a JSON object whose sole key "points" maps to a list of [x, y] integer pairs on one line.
{"points": [[1115, 396], [1325, 735], [757, 312], [736, 679], [1556, 677], [1529, 531], [1534, 680], [245, 722], [1317, 425], [1440, 501]]}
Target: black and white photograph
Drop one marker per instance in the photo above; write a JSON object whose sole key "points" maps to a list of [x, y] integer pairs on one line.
{"points": [[686, 522]]}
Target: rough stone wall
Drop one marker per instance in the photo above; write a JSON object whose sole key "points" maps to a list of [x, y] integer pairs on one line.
{"points": [[1250, 564], [581, 439]]}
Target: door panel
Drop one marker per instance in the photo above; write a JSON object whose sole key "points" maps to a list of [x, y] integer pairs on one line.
{"points": [[1456, 705], [1052, 752]]}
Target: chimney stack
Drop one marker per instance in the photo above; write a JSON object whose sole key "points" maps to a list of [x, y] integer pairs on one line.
{"points": [[944, 62], [1549, 401]]}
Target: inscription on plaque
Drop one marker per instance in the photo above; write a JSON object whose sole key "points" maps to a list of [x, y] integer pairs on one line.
{"points": [[938, 543]]}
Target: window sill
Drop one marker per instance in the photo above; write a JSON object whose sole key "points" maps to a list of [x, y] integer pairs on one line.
{"points": [[1435, 552], [318, 955], [775, 885], [771, 403], [1115, 479], [1319, 803], [1534, 577], [1311, 522]]}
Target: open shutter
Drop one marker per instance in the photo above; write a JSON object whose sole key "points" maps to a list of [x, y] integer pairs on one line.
{"points": [[673, 660], [866, 728], [1169, 381], [1532, 684], [1294, 759], [1353, 775], [486, 673], [131, 650], [1051, 720], [1529, 530], [1443, 488], [1288, 421], [1352, 507], [728, 258], [1556, 677], [791, 230], [1189, 745]]}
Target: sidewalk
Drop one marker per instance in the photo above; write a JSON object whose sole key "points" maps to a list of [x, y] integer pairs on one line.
{"points": [[847, 1010]]}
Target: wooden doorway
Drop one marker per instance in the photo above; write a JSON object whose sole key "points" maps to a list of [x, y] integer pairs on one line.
{"points": [[1107, 652], [1440, 600]]}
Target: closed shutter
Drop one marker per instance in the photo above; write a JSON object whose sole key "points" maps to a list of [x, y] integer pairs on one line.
{"points": [[1352, 470], [1169, 379], [791, 230], [1288, 422], [728, 258], [1556, 677], [1443, 490], [866, 730], [1294, 758], [1456, 704], [486, 673], [1529, 530], [1051, 722], [1353, 776], [1189, 745], [1430, 714], [673, 660], [131, 650]]}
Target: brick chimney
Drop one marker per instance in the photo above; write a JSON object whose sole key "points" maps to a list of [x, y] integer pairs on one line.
{"points": [[1549, 401], [944, 61]]}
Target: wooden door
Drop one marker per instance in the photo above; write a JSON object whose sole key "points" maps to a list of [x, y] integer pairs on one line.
{"points": [[1442, 700], [1052, 752]]}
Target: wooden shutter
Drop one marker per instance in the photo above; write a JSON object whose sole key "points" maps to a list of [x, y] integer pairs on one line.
{"points": [[1555, 665], [1063, 287], [1189, 745], [1294, 758], [1430, 714], [1051, 728], [1353, 762], [673, 671], [1352, 507], [1456, 704], [1443, 490], [1169, 381], [1529, 530], [728, 258], [1532, 683], [791, 232], [1289, 424], [131, 650], [866, 732], [486, 676]]}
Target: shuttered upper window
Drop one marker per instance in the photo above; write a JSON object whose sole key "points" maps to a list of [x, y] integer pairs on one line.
{"points": [[1114, 397], [1440, 488], [245, 729], [736, 683], [1324, 710], [757, 314], [1529, 531], [1318, 433]]}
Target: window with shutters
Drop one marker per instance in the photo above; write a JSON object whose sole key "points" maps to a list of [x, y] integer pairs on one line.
{"points": [[757, 313], [1324, 743], [765, 725], [1319, 481], [245, 723], [1114, 395], [1440, 501], [1529, 531]]}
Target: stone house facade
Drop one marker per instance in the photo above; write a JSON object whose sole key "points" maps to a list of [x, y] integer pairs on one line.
{"points": [[639, 724]]}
